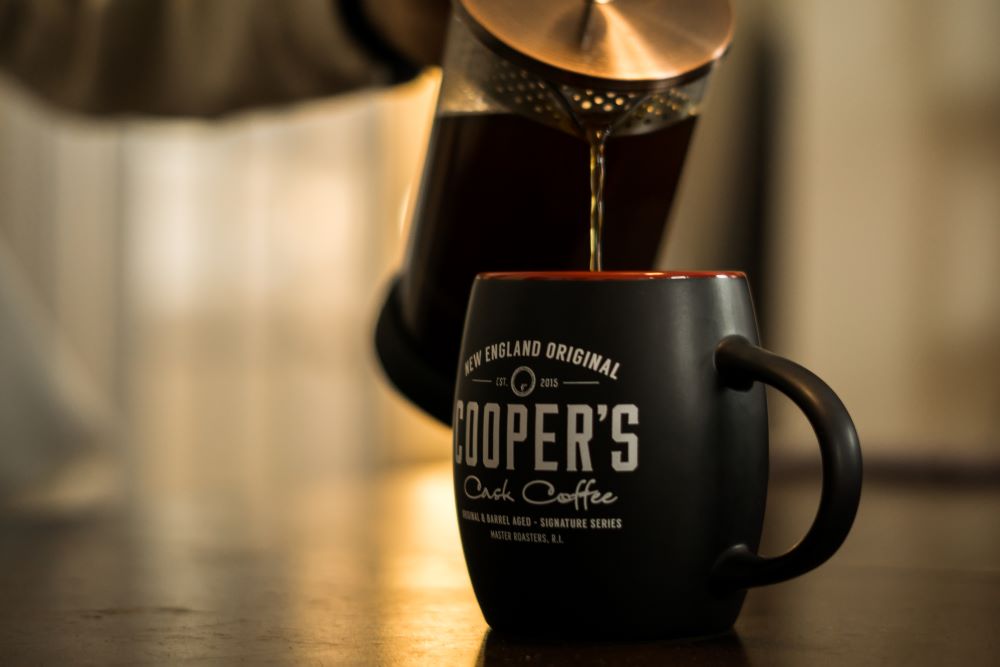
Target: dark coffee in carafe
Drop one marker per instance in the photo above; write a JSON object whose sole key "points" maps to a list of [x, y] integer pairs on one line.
{"points": [[501, 192], [507, 183]]}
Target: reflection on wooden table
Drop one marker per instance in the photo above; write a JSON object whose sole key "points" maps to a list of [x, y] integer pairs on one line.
{"points": [[258, 522], [366, 568]]}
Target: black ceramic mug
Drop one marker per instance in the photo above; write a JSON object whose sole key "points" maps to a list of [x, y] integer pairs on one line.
{"points": [[610, 453]]}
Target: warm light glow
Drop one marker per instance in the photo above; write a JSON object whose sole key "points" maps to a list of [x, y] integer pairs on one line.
{"points": [[420, 553]]}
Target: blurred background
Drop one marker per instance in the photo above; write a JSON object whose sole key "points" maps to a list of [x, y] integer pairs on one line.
{"points": [[190, 302], [188, 387]]}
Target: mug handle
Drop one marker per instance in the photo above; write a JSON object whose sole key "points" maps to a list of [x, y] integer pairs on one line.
{"points": [[739, 363]]}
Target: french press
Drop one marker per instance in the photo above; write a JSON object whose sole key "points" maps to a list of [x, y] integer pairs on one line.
{"points": [[506, 183]]}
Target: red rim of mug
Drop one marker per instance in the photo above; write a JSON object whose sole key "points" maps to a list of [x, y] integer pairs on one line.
{"points": [[607, 275]]}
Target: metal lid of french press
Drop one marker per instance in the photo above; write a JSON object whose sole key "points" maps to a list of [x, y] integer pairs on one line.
{"points": [[630, 44]]}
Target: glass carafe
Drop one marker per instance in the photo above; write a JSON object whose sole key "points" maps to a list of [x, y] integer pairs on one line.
{"points": [[506, 183]]}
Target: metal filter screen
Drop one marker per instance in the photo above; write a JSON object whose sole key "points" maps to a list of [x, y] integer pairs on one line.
{"points": [[479, 81]]}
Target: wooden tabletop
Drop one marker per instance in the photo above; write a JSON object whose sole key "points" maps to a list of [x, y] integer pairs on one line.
{"points": [[366, 568]]}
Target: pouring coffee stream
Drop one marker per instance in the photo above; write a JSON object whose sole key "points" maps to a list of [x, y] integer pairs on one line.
{"points": [[531, 93], [596, 136], [597, 140]]}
